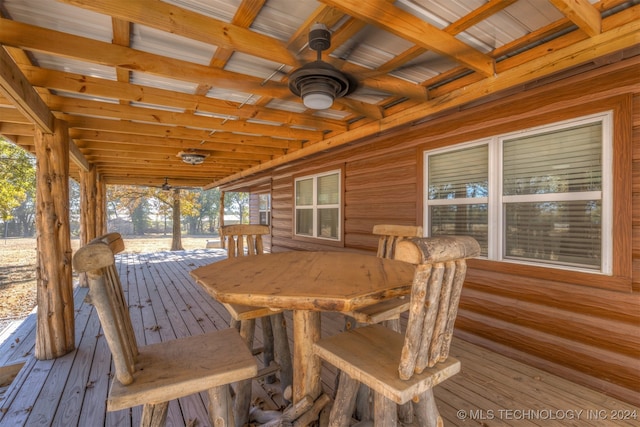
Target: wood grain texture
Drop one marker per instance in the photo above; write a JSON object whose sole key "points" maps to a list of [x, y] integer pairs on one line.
{"points": [[571, 305]]}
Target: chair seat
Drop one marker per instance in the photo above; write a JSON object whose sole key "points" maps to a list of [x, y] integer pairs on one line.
{"points": [[386, 310], [177, 368], [248, 312], [371, 355]]}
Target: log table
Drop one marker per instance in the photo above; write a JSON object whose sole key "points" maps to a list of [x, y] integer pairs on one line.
{"points": [[306, 283]]}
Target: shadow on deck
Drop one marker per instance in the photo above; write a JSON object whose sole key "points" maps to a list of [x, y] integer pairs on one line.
{"points": [[165, 303]]}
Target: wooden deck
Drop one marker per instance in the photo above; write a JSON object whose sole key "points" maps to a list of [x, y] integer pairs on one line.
{"points": [[165, 303]]}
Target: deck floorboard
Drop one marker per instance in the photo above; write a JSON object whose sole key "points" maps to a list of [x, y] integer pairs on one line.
{"points": [[165, 303]]}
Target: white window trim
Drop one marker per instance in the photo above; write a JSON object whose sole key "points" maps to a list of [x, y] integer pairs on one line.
{"points": [[496, 201], [267, 211], [314, 206]]}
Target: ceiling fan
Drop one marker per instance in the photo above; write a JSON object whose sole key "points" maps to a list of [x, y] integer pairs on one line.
{"points": [[319, 83], [166, 186]]}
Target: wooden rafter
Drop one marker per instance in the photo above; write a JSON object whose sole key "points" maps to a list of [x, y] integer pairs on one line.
{"points": [[135, 129], [582, 13], [15, 87], [409, 27]]}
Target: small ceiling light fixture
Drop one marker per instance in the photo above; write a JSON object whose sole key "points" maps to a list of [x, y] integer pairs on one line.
{"points": [[193, 157], [319, 83]]}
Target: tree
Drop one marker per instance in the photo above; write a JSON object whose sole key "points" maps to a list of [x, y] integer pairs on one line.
{"points": [[17, 178], [204, 219], [138, 203], [237, 204]]}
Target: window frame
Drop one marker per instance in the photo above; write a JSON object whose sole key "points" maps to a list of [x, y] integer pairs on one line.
{"points": [[340, 206], [267, 211], [496, 203]]}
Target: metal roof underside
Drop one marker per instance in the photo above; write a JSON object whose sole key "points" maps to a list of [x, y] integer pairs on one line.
{"points": [[140, 81]]}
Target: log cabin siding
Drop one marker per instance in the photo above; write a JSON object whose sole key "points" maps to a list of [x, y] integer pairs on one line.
{"points": [[581, 326]]}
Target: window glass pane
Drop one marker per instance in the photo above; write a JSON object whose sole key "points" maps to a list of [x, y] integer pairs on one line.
{"points": [[264, 202], [468, 220], [304, 222], [556, 232], [459, 174], [568, 160], [328, 187], [304, 192], [328, 223]]}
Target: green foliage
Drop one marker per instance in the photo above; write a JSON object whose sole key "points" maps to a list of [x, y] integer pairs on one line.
{"points": [[17, 178]]}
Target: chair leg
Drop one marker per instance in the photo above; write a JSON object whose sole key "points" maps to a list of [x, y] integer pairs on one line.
{"points": [[221, 406], [385, 411], [345, 401], [242, 402], [154, 415], [282, 351], [405, 412], [267, 346], [427, 411]]}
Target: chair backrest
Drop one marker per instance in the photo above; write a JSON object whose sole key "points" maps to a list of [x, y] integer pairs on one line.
{"points": [[97, 260], [391, 234], [435, 294], [235, 236]]}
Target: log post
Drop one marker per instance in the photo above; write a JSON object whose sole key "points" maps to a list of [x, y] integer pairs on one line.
{"points": [[88, 212], [55, 331], [101, 206], [221, 221]]}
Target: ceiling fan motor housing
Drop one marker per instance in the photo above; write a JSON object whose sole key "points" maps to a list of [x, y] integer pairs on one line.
{"points": [[319, 37]]}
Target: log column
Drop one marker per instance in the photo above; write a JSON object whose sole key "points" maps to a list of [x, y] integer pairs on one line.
{"points": [[88, 212], [55, 328], [101, 207]]}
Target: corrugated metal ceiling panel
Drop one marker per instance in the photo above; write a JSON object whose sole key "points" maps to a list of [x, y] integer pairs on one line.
{"points": [[61, 17], [166, 44]]}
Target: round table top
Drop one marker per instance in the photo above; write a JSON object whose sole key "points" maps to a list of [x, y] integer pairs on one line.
{"points": [[324, 281]]}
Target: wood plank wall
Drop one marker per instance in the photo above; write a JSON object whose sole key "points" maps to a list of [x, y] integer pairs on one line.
{"points": [[568, 324]]}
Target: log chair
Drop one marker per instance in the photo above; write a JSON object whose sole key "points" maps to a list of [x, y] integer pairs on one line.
{"points": [[402, 368], [155, 374]]}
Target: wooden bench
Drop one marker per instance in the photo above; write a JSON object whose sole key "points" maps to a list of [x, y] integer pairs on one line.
{"points": [[155, 374], [405, 368]]}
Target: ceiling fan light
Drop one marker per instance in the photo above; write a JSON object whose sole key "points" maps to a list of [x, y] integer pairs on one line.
{"points": [[317, 100]]}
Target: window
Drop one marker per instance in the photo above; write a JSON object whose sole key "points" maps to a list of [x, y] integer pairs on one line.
{"points": [[317, 206], [539, 196], [264, 208]]}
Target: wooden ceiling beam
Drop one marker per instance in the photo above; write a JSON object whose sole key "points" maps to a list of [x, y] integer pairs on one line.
{"points": [[27, 36], [15, 87], [105, 139], [78, 157], [170, 157], [176, 20], [582, 13], [87, 85], [618, 38], [180, 132], [150, 115], [16, 129], [147, 151], [414, 29]]}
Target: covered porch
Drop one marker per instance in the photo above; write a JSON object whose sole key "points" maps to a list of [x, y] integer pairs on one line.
{"points": [[165, 303]]}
